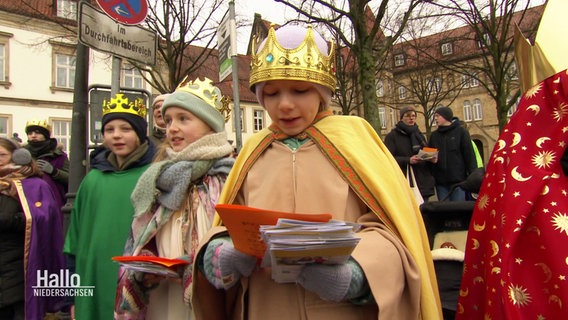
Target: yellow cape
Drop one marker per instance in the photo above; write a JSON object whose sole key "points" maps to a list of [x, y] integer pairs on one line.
{"points": [[361, 157]]}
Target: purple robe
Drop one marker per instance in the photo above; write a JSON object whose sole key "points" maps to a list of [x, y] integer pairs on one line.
{"points": [[43, 249]]}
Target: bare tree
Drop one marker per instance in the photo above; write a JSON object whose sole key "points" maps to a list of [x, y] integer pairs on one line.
{"points": [[186, 31], [362, 34], [491, 26]]}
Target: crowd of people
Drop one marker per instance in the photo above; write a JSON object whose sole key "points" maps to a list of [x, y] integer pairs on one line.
{"points": [[152, 192]]}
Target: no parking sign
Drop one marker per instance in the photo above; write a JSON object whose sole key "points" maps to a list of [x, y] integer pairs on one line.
{"points": [[125, 11]]}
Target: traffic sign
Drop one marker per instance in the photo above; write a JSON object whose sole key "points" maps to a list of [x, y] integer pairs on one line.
{"points": [[125, 11], [98, 31]]}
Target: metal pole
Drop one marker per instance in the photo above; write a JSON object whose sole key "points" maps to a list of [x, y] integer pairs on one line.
{"points": [[115, 81], [78, 150], [235, 71]]}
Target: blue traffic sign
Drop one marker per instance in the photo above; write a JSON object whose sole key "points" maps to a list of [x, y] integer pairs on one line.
{"points": [[125, 11]]}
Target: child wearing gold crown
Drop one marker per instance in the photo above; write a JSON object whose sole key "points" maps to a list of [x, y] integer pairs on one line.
{"points": [[50, 157], [309, 161], [175, 200], [102, 212]]}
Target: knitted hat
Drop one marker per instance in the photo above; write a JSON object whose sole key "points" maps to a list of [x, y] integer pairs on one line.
{"points": [[200, 98], [159, 98], [290, 38], [138, 123], [404, 110], [39, 125], [445, 112]]}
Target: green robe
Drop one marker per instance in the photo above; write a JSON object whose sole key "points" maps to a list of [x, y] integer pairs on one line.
{"points": [[100, 224]]}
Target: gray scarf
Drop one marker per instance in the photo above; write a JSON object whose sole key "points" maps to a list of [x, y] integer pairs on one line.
{"points": [[167, 181]]}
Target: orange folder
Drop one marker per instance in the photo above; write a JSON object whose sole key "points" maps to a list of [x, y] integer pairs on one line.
{"points": [[243, 224]]}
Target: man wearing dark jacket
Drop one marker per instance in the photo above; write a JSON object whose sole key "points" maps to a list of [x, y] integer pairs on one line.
{"points": [[456, 158], [404, 142]]}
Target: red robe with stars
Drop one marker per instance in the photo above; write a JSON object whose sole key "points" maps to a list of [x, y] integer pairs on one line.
{"points": [[516, 261]]}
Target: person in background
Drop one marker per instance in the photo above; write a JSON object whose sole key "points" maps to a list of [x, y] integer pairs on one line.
{"points": [[49, 157], [102, 212], [175, 200], [31, 233], [159, 126], [456, 159], [404, 141], [310, 161]]}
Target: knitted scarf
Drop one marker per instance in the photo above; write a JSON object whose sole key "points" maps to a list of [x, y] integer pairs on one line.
{"points": [[167, 181], [416, 138]]}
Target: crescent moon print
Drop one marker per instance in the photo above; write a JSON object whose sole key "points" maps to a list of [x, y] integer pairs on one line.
{"points": [[517, 176], [516, 139], [534, 108], [541, 140]]}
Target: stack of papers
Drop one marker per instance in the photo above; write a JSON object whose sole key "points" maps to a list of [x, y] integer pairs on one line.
{"points": [[292, 244], [427, 153], [152, 264]]}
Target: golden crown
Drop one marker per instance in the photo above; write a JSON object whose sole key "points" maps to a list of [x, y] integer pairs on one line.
{"points": [[305, 62], [120, 103], [547, 56], [206, 91], [39, 123]]}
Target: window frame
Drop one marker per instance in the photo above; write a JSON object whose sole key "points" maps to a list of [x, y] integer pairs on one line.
{"points": [[5, 63], [467, 111], [8, 133], [255, 119], [447, 48], [401, 92], [380, 88], [133, 73], [477, 110], [67, 9], [399, 60], [383, 117], [64, 140], [64, 49]]}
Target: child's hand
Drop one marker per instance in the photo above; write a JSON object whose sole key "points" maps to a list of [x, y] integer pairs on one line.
{"points": [[224, 265]]}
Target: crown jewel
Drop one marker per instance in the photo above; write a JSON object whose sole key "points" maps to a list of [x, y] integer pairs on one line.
{"points": [[39, 123], [206, 91], [305, 62], [120, 103]]}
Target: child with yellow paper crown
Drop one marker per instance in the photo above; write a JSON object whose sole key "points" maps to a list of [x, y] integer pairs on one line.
{"points": [[102, 212], [175, 200], [309, 161]]}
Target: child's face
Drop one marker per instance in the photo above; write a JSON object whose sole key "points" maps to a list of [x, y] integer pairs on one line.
{"points": [[292, 105], [5, 156], [183, 128], [120, 138]]}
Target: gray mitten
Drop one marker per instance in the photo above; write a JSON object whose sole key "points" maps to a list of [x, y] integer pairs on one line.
{"points": [[224, 265], [45, 166], [329, 281]]}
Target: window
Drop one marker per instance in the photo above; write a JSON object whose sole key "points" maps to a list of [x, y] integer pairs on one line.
{"points": [[64, 71], [514, 107], [4, 123], [399, 60], [485, 40], [512, 72], [242, 114], [380, 88], [447, 48], [67, 9], [401, 92], [473, 81], [258, 119], [467, 111], [477, 110], [132, 77], [61, 131], [383, 117], [4, 57], [434, 85], [465, 81]]}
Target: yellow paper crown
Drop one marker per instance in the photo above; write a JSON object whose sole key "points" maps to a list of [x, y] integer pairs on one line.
{"points": [[120, 103], [206, 91], [547, 56], [305, 62], [39, 123]]}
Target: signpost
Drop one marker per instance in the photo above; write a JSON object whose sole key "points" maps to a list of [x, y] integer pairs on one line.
{"points": [[125, 11], [100, 32], [224, 45]]}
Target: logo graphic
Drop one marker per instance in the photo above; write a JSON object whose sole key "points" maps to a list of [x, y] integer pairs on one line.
{"points": [[62, 284], [125, 11]]}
